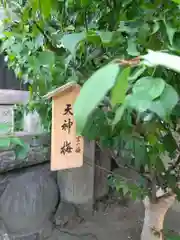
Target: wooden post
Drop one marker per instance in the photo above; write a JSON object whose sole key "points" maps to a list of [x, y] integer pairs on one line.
{"points": [[73, 156]]}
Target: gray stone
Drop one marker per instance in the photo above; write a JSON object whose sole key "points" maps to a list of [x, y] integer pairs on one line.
{"points": [[77, 185], [28, 201], [60, 235], [64, 213], [35, 236], [82, 186], [67, 215], [39, 152], [36, 155], [13, 96], [3, 232]]}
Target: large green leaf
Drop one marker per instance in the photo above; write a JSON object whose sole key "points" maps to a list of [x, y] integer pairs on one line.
{"points": [[137, 147], [46, 58], [17, 141], [21, 151], [92, 92], [165, 104], [176, 1], [71, 41], [152, 86], [118, 114], [170, 32], [169, 143], [119, 90], [106, 37], [46, 8], [139, 101]]}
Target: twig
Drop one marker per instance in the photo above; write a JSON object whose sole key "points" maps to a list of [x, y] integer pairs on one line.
{"points": [[112, 155], [131, 62], [153, 186], [52, 47], [174, 166]]}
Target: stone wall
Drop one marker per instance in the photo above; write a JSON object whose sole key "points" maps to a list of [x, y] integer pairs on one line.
{"points": [[39, 152], [33, 199], [29, 194]]}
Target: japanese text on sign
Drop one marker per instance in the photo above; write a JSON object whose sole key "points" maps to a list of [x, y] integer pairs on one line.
{"points": [[66, 148]]}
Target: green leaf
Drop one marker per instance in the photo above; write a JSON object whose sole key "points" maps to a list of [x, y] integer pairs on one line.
{"points": [[173, 237], [153, 86], [92, 92], [71, 41], [96, 125], [85, 3], [21, 151], [176, 1], [159, 165], [139, 151], [106, 37], [46, 8], [119, 90], [170, 143], [170, 32], [5, 142], [46, 58], [165, 104], [17, 141], [132, 48], [137, 73], [139, 101], [136, 147], [156, 27], [177, 192], [118, 115], [125, 189]]}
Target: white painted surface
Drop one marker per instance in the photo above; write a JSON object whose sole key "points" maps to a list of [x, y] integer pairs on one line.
{"points": [[6, 117]]}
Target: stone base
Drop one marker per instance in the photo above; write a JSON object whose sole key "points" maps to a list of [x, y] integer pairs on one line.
{"points": [[28, 202]]}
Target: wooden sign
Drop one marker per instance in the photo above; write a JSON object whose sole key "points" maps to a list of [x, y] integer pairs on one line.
{"points": [[66, 147]]}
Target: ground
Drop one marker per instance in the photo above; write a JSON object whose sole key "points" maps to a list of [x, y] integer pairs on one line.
{"points": [[114, 222]]}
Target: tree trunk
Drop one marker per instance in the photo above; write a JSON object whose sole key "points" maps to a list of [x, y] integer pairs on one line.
{"points": [[154, 217]]}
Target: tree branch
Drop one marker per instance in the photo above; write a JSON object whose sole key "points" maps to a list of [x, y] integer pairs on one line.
{"points": [[153, 186], [175, 165], [52, 48]]}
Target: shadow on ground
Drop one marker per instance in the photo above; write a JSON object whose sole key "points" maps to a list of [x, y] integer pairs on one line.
{"points": [[114, 222]]}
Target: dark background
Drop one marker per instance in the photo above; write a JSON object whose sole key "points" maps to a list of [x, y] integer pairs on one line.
{"points": [[8, 79]]}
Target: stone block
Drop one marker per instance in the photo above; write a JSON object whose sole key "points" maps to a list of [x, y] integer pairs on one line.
{"points": [[28, 201], [6, 117], [66, 214], [39, 152], [83, 186], [77, 185], [11, 97]]}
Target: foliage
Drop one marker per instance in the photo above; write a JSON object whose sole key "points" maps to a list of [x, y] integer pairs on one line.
{"points": [[131, 110], [10, 141]]}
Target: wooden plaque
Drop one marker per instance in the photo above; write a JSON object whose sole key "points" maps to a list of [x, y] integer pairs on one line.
{"points": [[66, 147]]}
